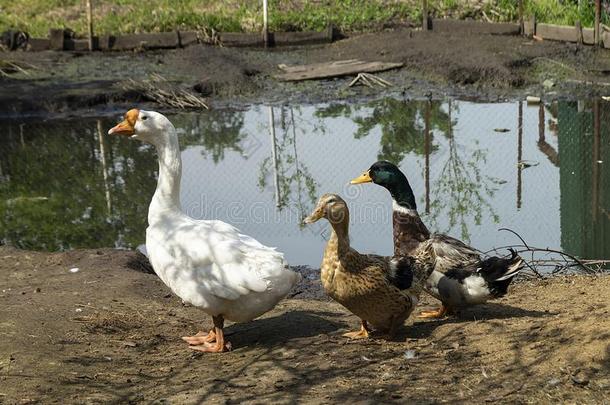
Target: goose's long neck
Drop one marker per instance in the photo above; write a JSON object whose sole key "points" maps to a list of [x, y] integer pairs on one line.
{"points": [[167, 195]]}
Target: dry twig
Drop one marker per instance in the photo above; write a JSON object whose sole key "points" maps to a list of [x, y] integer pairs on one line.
{"points": [[161, 91], [560, 262], [369, 80], [7, 68]]}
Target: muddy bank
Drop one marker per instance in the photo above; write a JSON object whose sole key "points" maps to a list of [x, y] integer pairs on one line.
{"points": [[111, 333], [436, 64]]}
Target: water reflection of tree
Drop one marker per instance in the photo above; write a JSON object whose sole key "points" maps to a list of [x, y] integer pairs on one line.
{"points": [[401, 123], [293, 180], [53, 195], [216, 131], [56, 193], [461, 190]]}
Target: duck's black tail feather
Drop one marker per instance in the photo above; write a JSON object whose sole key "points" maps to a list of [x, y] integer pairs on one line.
{"points": [[500, 271]]}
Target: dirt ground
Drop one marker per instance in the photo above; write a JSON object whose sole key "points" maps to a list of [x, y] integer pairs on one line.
{"points": [[436, 64], [111, 333]]}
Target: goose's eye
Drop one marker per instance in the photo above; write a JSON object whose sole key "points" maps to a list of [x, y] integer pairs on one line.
{"points": [[144, 117]]}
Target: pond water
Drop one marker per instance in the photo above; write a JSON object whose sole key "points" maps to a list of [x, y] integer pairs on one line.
{"points": [[65, 184]]}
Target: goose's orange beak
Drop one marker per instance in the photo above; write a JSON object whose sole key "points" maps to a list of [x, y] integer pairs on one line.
{"points": [[127, 126], [364, 178]]}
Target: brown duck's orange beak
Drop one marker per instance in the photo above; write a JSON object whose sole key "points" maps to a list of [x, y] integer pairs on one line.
{"points": [[364, 178], [127, 126]]}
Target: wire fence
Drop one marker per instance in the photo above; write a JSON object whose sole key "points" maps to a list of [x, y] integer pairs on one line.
{"points": [[92, 19], [540, 170]]}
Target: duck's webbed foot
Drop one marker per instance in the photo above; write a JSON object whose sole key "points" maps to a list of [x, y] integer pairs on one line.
{"points": [[201, 338], [363, 333], [439, 313], [213, 342]]}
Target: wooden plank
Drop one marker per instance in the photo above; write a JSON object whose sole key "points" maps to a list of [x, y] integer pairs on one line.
{"points": [[80, 44], [56, 39], [38, 44], [105, 42], [239, 39], [188, 38], [332, 69], [588, 36], [605, 37], [475, 27], [302, 38], [146, 41], [557, 32]]}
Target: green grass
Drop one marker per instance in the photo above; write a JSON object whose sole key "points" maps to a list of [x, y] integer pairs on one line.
{"points": [[566, 14], [125, 16]]}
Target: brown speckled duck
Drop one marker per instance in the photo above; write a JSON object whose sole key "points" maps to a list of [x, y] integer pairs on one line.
{"points": [[381, 291], [461, 277]]}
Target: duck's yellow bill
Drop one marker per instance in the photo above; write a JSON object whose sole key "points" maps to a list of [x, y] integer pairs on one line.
{"points": [[365, 178]]}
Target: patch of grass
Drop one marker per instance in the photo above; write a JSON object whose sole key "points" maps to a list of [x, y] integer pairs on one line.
{"points": [[564, 12], [126, 16]]}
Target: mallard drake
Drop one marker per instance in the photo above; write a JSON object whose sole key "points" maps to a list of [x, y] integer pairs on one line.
{"points": [[381, 291], [207, 263], [461, 277]]}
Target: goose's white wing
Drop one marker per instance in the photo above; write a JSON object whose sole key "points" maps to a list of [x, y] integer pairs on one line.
{"points": [[209, 260]]}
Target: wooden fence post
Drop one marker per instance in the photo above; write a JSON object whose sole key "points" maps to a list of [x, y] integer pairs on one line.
{"points": [[265, 23], [519, 153], [596, 32], [424, 14], [521, 26], [90, 24]]}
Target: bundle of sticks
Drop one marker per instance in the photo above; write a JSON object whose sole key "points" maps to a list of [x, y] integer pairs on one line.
{"points": [[160, 90], [545, 262]]}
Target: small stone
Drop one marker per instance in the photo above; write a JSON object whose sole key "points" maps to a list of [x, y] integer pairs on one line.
{"points": [[409, 354], [547, 84], [603, 383], [580, 378], [37, 290], [553, 382], [378, 391], [386, 376]]}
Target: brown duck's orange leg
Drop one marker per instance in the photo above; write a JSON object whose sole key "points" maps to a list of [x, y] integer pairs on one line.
{"points": [[218, 345], [439, 313], [201, 338], [363, 333]]}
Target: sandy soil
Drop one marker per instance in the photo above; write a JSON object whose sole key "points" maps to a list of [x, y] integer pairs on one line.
{"points": [[436, 64], [111, 333]]}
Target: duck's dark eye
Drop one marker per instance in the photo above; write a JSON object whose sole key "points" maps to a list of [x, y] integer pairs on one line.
{"points": [[144, 117]]}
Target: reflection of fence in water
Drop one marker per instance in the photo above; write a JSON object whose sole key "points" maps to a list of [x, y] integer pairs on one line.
{"points": [[99, 188], [584, 150]]}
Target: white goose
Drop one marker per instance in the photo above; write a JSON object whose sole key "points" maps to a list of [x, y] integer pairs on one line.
{"points": [[208, 264]]}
